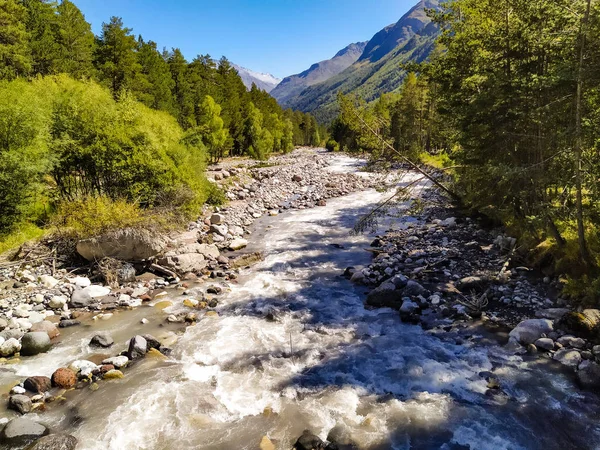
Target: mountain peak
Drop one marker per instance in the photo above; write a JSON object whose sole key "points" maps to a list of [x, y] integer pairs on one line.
{"points": [[264, 81]]}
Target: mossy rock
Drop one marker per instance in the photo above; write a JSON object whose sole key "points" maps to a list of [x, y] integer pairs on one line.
{"points": [[585, 323]]}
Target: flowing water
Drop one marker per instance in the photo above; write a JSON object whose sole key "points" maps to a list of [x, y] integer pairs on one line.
{"points": [[293, 348]]}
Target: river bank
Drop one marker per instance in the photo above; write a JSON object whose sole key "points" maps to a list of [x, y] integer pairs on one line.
{"points": [[288, 344]]}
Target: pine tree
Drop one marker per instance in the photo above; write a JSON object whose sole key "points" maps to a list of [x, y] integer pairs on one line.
{"points": [[210, 130], [41, 26], [75, 41], [116, 57], [181, 90], [154, 83], [15, 54]]}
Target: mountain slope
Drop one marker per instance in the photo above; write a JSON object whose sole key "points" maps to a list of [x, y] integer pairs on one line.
{"points": [[377, 70], [287, 91], [264, 81]]}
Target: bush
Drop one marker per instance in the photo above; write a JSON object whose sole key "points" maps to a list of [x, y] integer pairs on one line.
{"points": [[64, 140], [332, 146]]}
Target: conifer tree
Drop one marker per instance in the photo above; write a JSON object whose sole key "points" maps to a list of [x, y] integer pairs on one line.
{"points": [[15, 54]]}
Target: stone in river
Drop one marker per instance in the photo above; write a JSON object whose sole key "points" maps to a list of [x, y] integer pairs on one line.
{"points": [[530, 330], [55, 442], [64, 378], [21, 431], [137, 347], [117, 361], [309, 441], [113, 374], [37, 384], [20, 403], [48, 327], [103, 340], [35, 342], [238, 244]]}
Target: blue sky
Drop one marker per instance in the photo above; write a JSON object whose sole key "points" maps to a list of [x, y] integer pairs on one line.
{"points": [[282, 37]]}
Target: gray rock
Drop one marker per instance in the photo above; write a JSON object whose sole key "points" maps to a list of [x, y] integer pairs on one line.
{"points": [[103, 340], [472, 284], [385, 294], [3, 323], [589, 377], [399, 281], [20, 403], [568, 357], [137, 347], [545, 344], [217, 219], [10, 347], [151, 342], [552, 313], [219, 229], [126, 244], [21, 432], [571, 341], [126, 273], [413, 289], [409, 307], [309, 441], [238, 244], [530, 330], [66, 323], [80, 298], [35, 342], [55, 442]]}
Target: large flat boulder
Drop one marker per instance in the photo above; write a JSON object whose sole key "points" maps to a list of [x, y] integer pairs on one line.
{"points": [[529, 331], [127, 245]]}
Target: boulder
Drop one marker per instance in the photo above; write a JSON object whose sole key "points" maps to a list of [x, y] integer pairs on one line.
{"points": [[81, 282], [21, 431], [585, 323], [309, 441], [48, 281], [80, 298], [37, 384], [237, 244], [103, 340], [589, 377], [66, 323], [96, 291], [571, 341], [47, 327], [408, 307], [117, 361], [385, 295], [187, 262], [545, 344], [126, 244], [219, 229], [83, 367], [151, 342], [137, 347], [530, 330], [20, 403], [568, 357], [35, 342], [55, 442], [10, 347], [217, 219], [64, 378], [57, 302], [413, 289]]}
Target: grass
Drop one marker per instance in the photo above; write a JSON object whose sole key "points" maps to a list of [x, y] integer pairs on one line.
{"points": [[22, 233]]}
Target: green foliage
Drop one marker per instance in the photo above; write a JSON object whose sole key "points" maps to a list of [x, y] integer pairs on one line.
{"points": [[75, 42], [19, 235], [209, 131], [332, 145], [91, 216], [15, 53], [116, 59]]}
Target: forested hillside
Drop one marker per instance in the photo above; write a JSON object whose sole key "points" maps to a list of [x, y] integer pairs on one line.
{"points": [[509, 103], [288, 90], [114, 116], [377, 70]]}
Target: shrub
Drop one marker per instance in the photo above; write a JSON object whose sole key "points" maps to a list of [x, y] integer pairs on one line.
{"points": [[332, 146]]}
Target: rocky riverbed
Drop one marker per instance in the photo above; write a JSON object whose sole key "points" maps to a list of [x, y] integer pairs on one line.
{"points": [[288, 346]]}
